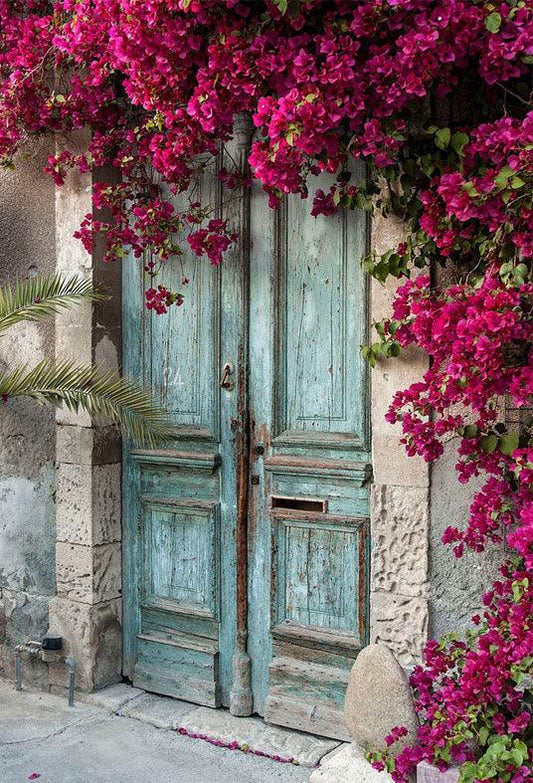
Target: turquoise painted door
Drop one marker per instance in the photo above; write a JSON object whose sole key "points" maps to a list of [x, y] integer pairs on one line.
{"points": [[246, 545]]}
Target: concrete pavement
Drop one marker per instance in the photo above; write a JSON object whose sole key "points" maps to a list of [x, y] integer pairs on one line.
{"points": [[91, 743]]}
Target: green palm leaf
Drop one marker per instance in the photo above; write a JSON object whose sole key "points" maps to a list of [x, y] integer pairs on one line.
{"points": [[38, 298], [101, 394]]}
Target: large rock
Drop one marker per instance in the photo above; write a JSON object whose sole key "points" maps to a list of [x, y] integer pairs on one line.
{"points": [[379, 698]]}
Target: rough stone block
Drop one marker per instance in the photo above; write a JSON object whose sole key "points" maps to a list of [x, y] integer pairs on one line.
{"points": [[88, 504], [160, 711], [377, 679], [390, 463], [349, 765], [88, 445], [400, 622], [427, 773], [258, 735], [400, 539], [93, 637], [88, 574]]}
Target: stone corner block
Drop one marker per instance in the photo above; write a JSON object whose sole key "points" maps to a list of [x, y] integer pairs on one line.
{"points": [[87, 574], [349, 765], [87, 445], [400, 539], [88, 504], [401, 622], [92, 635]]}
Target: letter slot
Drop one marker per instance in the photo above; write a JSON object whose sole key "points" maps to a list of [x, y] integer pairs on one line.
{"points": [[299, 504]]}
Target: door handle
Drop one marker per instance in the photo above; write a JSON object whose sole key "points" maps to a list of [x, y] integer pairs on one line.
{"points": [[227, 382]]}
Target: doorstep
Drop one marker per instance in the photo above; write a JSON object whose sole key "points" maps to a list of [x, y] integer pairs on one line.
{"points": [[213, 725]]}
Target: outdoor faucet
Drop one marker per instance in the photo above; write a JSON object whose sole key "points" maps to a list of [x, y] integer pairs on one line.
{"points": [[50, 651]]}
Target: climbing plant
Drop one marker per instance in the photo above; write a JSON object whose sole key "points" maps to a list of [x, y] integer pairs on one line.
{"points": [[435, 97]]}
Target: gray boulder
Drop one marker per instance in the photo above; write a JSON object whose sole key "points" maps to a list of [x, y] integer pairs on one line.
{"points": [[379, 698]]}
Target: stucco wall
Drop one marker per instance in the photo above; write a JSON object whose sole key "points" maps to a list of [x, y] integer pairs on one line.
{"points": [[456, 584], [27, 430]]}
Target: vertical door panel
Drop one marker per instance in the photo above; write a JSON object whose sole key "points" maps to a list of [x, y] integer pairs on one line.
{"points": [[179, 503], [319, 374], [182, 348], [309, 509]]}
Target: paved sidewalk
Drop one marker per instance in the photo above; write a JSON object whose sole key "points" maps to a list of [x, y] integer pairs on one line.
{"points": [[114, 736]]}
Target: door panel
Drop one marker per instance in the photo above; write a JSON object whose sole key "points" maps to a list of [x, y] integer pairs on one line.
{"points": [[318, 327], [182, 350], [179, 503], [309, 503]]}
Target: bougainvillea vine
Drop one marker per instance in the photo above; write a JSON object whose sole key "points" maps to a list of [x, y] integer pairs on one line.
{"points": [[435, 97]]}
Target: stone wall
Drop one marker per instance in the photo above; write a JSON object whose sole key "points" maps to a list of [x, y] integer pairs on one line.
{"points": [[59, 475], [400, 521], [456, 584], [27, 431]]}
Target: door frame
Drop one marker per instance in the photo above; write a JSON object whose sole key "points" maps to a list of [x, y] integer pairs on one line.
{"points": [[391, 602]]}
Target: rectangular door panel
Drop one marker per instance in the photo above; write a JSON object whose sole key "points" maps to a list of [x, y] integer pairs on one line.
{"points": [[180, 581], [182, 349], [320, 322]]}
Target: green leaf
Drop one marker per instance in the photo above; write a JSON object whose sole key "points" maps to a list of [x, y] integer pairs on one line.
{"points": [[459, 141], [489, 443], [442, 138], [282, 5], [483, 735], [101, 394], [520, 274], [471, 189], [395, 349], [493, 22], [503, 177], [508, 443], [470, 431], [38, 298]]}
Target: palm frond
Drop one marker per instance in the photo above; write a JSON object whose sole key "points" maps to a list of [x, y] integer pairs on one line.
{"points": [[101, 394], [38, 298]]}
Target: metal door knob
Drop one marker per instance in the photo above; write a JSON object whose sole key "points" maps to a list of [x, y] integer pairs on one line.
{"points": [[227, 382]]}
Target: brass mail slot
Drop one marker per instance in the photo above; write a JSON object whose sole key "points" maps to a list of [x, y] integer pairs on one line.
{"points": [[299, 504]]}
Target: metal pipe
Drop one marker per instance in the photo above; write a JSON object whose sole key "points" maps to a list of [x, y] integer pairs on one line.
{"points": [[32, 648], [18, 667], [48, 656], [71, 666]]}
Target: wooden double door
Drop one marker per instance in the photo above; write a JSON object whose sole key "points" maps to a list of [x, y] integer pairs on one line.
{"points": [[246, 546]]}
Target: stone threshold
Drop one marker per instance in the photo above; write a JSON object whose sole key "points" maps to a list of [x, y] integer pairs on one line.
{"points": [[250, 735]]}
